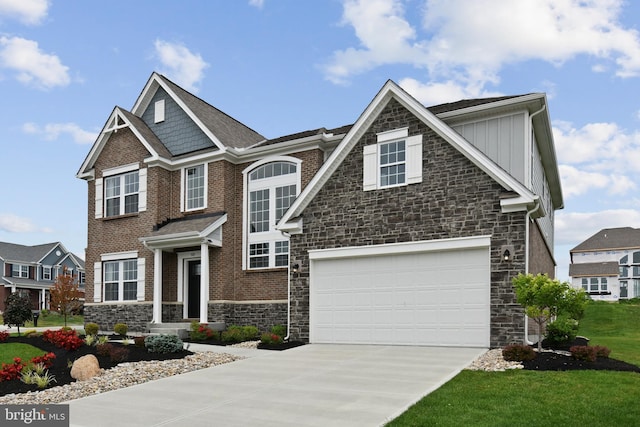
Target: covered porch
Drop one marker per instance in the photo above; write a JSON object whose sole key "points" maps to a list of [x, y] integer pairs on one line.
{"points": [[191, 239]]}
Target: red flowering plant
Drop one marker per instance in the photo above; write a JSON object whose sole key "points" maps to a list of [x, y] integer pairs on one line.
{"points": [[201, 332], [46, 360], [3, 336], [11, 371], [63, 338]]}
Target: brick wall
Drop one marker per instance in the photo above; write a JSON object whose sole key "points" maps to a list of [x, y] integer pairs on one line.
{"points": [[455, 199]]}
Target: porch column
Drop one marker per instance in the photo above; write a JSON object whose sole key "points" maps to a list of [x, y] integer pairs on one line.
{"points": [[157, 286], [204, 283], [43, 299]]}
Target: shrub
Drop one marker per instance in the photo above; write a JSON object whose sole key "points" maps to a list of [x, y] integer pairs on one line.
{"points": [[104, 349], [31, 333], [118, 354], [46, 360], [138, 341], [200, 331], [563, 329], [11, 371], [163, 343], [270, 338], [602, 351], [584, 352], [250, 333], [233, 334], [4, 335], [121, 329], [91, 328], [63, 338], [279, 330], [518, 353]]}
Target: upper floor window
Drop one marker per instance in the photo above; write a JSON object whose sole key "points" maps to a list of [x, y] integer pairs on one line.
{"points": [[271, 189], [46, 272], [194, 187], [19, 270], [121, 194], [395, 160]]}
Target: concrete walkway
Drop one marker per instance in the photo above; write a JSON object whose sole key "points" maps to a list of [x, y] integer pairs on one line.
{"points": [[312, 385]]}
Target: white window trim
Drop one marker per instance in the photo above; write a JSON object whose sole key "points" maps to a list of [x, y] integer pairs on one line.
{"points": [[100, 204], [98, 278], [45, 268], [20, 266], [245, 202], [183, 187], [413, 159]]}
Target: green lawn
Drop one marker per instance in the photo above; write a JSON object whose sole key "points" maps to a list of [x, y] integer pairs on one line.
{"points": [[24, 351], [52, 319], [523, 398]]}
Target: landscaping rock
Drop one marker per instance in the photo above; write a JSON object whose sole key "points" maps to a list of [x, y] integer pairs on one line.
{"points": [[85, 367]]}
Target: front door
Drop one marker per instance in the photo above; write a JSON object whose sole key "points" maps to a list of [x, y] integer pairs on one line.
{"points": [[193, 289]]}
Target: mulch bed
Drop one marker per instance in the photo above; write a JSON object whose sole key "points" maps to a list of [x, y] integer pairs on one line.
{"points": [[61, 370], [551, 361]]}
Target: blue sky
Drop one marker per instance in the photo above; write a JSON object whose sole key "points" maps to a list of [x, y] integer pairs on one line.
{"points": [[283, 66]]}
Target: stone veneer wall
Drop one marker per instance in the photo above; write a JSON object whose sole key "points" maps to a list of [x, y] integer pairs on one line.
{"points": [[261, 315], [136, 316], [455, 199]]}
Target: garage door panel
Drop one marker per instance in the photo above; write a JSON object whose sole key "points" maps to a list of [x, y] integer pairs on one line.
{"points": [[425, 298]]}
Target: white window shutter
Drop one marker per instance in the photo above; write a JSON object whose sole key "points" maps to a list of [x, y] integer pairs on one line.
{"points": [[141, 268], [158, 115], [370, 167], [97, 281], [414, 159], [142, 190], [99, 196]]}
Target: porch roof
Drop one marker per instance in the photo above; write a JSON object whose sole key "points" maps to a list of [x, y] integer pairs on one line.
{"points": [[189, 231]]}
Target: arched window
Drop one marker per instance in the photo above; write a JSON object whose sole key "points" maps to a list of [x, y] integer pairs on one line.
{"points": [[271, 189]]}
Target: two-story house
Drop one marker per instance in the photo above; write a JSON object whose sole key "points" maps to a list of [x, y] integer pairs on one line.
{"points": [[32, 270], [405, 227], [607, 264]]}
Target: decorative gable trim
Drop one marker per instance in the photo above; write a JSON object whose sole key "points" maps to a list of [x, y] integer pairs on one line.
{"points": [[388, 91]]}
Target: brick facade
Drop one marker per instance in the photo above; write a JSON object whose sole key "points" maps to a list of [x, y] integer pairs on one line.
{"points": [[455, 199]]}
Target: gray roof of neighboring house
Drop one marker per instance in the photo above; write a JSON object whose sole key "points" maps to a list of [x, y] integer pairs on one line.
{"points": [[27, 254], [228, 130], [186, 225], [610, 239], [610, 268]]}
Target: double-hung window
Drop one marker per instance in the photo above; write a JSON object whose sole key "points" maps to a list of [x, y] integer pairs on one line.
{"points": [[46, 272], [272, 188], [19, 270], [194, 187], [120, 280], [395, 160], [121, 194]]}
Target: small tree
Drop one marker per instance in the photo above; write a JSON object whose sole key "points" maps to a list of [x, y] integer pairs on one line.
{"points": [[17, 310], [65, 296], [544, 299]]}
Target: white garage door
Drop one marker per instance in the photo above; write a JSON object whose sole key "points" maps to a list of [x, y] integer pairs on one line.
{"points": [[423, 293]]}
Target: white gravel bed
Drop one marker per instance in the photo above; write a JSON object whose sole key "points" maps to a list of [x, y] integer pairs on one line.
{"points": [[493, 361], [121, 376]]}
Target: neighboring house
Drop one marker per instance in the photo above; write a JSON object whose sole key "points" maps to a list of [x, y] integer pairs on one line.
{"points": [[406, 227], [607, 264], [32, 271]]}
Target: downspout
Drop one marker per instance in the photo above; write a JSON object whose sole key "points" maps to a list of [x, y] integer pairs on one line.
{"points": [[527, 227], [288, 236]]}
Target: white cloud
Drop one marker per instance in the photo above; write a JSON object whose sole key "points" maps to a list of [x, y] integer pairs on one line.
{"points": [[30, 12], [16, 224], [33, 66], [434, 93], [575, 227], [257, 3], [454, 36], [53, 131], [180, 64]]}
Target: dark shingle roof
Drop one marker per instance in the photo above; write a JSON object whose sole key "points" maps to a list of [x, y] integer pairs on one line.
{"points": [[228, 130], [611, 238], [594, 269], [27, 254], [336, 131], [466, 103], [187, 225], [147, 134]]}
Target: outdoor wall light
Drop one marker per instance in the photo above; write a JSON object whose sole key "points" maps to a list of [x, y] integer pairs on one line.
{"points": [[507, 253], [295, 268]]}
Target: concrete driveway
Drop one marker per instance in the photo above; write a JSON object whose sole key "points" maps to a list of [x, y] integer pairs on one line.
{"points": [[312, 385]]}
